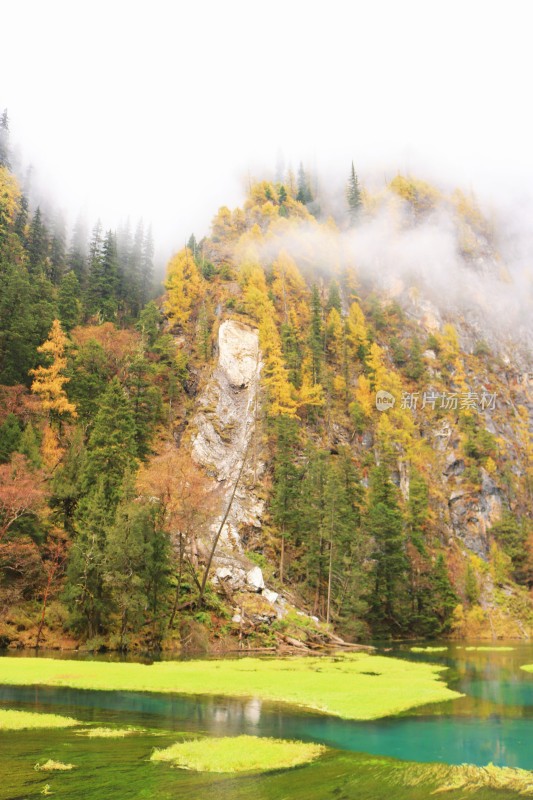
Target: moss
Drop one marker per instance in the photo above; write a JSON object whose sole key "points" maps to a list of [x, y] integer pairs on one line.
{"points": [[25, 720], [238, 754], [489, 649], [342, 686], [428, 649]]}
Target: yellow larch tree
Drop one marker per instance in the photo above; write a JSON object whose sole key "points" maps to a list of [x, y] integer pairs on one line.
{"points": [[49, 381], [183, 284], [356, 330]]}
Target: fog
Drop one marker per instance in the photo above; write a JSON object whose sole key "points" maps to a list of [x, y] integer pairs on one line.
{"points": [[164, 111]]}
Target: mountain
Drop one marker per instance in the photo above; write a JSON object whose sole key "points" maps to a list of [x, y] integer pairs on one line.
{"points": [[318, 431]]}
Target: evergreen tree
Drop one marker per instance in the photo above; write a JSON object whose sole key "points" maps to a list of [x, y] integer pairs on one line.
{"points": [[86, 592], [29, 446], [68, 301], [66, 483], [334, 298], [353, 196], [316, 338], [21, 221], [58, 251], [111, 450], [10, 435], [384, 524], [150, 322], [304, 192], [103, 281], [286, 488], [145, 401], [38, 244], [90, 374], [77, 252], [147, 267], [4, 140]]}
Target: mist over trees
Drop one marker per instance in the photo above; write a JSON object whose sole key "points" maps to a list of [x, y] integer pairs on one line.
{"points": [[104, 515]]}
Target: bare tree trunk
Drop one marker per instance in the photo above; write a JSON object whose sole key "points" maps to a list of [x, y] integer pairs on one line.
{"points": [[220, 529]]}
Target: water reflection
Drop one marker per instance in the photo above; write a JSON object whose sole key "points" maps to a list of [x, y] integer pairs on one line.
{"points": [[492, 723]]}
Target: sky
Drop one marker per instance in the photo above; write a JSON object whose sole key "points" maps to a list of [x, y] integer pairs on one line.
{"points": [[165, 109]]}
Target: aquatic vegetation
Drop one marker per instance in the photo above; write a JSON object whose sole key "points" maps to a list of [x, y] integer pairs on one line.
{"points": [[24, 720], [53, 766], [468, 777], [238, 754], [490, 649], [354, 686], [106, 733], [428, 649]]}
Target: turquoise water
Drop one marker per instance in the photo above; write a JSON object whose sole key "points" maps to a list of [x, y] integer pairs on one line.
{"points": [[492, 723]]}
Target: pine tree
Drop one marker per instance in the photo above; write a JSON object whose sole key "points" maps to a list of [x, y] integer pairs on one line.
{"points": [[68, 301], [353, 196], [38, 244], [384, 524], [334, 298], [304, 192], [77, 252], [147, 267], [10, 435], [4, 140], [66, 483], [103, 280], [145, 401], [150, 322], [58, 251], [86, 593], [285, 492], [29, 446], [111, 450], [316, 338]]}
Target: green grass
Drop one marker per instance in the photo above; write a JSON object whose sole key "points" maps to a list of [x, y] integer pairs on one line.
{"points": [[238, 754], [25, 720], [428, 649], [490, 649], [355, 686]]}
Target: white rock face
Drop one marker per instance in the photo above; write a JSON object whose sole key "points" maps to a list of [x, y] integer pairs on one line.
{"points": [[255, 579], [225, 423], [238, 353]]}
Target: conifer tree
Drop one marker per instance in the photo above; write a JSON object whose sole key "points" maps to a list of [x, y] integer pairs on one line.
{"points": [[29, 446], [353, 196], [4, 139], [10, 435], [183, 285], [77, 252], [49, 380], [111, 450], [38, 244], [304, 192], [58, 251], [384, 524], [316, 340], [68, 301], [285, 495]]}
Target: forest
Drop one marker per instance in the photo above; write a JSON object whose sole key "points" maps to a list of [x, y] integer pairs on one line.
{"points": [[105, 516]]}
